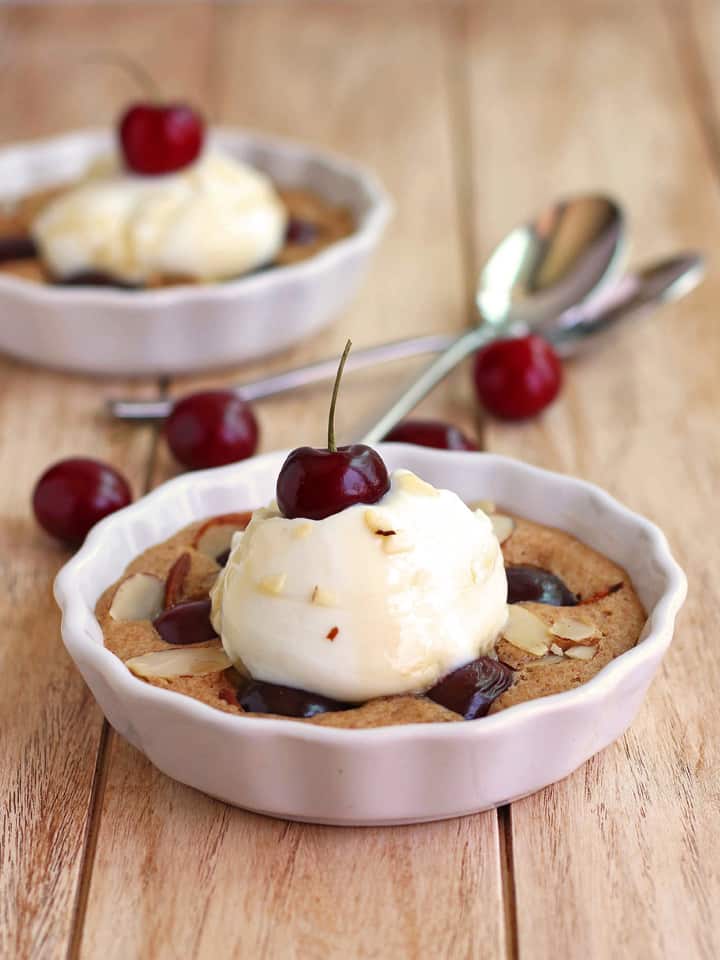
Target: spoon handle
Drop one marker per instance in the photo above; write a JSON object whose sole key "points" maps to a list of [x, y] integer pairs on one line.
{"points": [[462, 346], [299, 377]]}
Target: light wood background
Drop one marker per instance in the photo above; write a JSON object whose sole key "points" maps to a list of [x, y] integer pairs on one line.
{"points": [[473, 115]]}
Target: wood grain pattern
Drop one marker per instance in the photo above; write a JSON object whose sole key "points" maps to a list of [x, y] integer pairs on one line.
{"points": [[473, 114], [623, 855], [51, 728], [263, 888]]}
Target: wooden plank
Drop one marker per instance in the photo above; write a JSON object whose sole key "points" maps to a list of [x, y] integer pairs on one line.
{"points": [[184, 875], [51, 728], [287, 73], [621, 857]]}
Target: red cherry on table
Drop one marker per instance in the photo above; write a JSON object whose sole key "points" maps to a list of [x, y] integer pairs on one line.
{"points": [[73, 494], [316, 483], [160, 138], [517, 378], [210, 429], [431, 433]]}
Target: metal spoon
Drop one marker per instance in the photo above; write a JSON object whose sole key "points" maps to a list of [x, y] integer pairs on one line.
{"points": [[653, 285], [558, 260], [661, 282], [540, 269]]}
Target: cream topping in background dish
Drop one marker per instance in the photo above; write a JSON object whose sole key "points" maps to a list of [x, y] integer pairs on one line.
{"points": [[371, 601], [213, 220]]}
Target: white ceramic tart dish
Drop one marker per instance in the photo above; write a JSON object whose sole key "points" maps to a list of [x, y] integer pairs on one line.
{"points": [[186, 328], [397, 774]]}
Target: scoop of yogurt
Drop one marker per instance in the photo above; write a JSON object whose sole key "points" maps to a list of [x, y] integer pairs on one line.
{"points": [[215, 219], [371, 601]]}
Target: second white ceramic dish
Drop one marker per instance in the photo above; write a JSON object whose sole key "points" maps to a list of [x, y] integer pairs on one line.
{"points": [[398, 774], [183, 329]]}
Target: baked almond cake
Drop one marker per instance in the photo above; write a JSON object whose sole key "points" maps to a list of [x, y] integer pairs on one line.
{"points": [[570, 610]]}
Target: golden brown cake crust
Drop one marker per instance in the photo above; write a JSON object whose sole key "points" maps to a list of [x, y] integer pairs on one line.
{"points": [[329, 224], [618, 617]]}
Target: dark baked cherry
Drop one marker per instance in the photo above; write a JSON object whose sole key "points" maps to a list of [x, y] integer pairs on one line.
{"points": [[317, 483], [17, 247], [73, 494], [210, 429], [471, 690], [160, 138], [301, 232], [258, 697], [94, 278], [517, 378], [431, 433], [527, 582], [222, 558], [186, 623]]}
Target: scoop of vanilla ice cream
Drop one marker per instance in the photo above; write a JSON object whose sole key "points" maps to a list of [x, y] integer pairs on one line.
{"points": [[375, 600], [215, 219]]}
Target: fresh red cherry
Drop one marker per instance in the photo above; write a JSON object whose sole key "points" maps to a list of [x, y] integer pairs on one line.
{"points": [[73, 494], [431, 433], [160, 138], [517, 378], [210, 429], [317, 483], [471, 690]]}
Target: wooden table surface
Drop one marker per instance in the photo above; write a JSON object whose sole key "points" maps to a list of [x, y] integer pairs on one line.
{"points": [[473, 115]]}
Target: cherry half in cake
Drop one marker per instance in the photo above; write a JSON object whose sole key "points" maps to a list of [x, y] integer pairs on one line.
{"points": [[315, 483], [255, 696], [531, 583]]}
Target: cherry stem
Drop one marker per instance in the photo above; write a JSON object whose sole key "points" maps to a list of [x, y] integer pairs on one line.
{"points": [[338, 377], [130, 67]]}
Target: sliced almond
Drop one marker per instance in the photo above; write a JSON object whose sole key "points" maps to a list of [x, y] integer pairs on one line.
{"points": [[140, 597], [410, 483], [398, 543], [526, 631], [554, 648], [176, 580], [214, 536], [190, 662], [573, 628], [581, 653], [323, 598], [273, 585], [503, 526], [550, 658], [569, 631], [376, 519]]}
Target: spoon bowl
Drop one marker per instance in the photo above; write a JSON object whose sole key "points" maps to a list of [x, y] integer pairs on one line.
{"points": [[560, 259], [557, 260]]}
